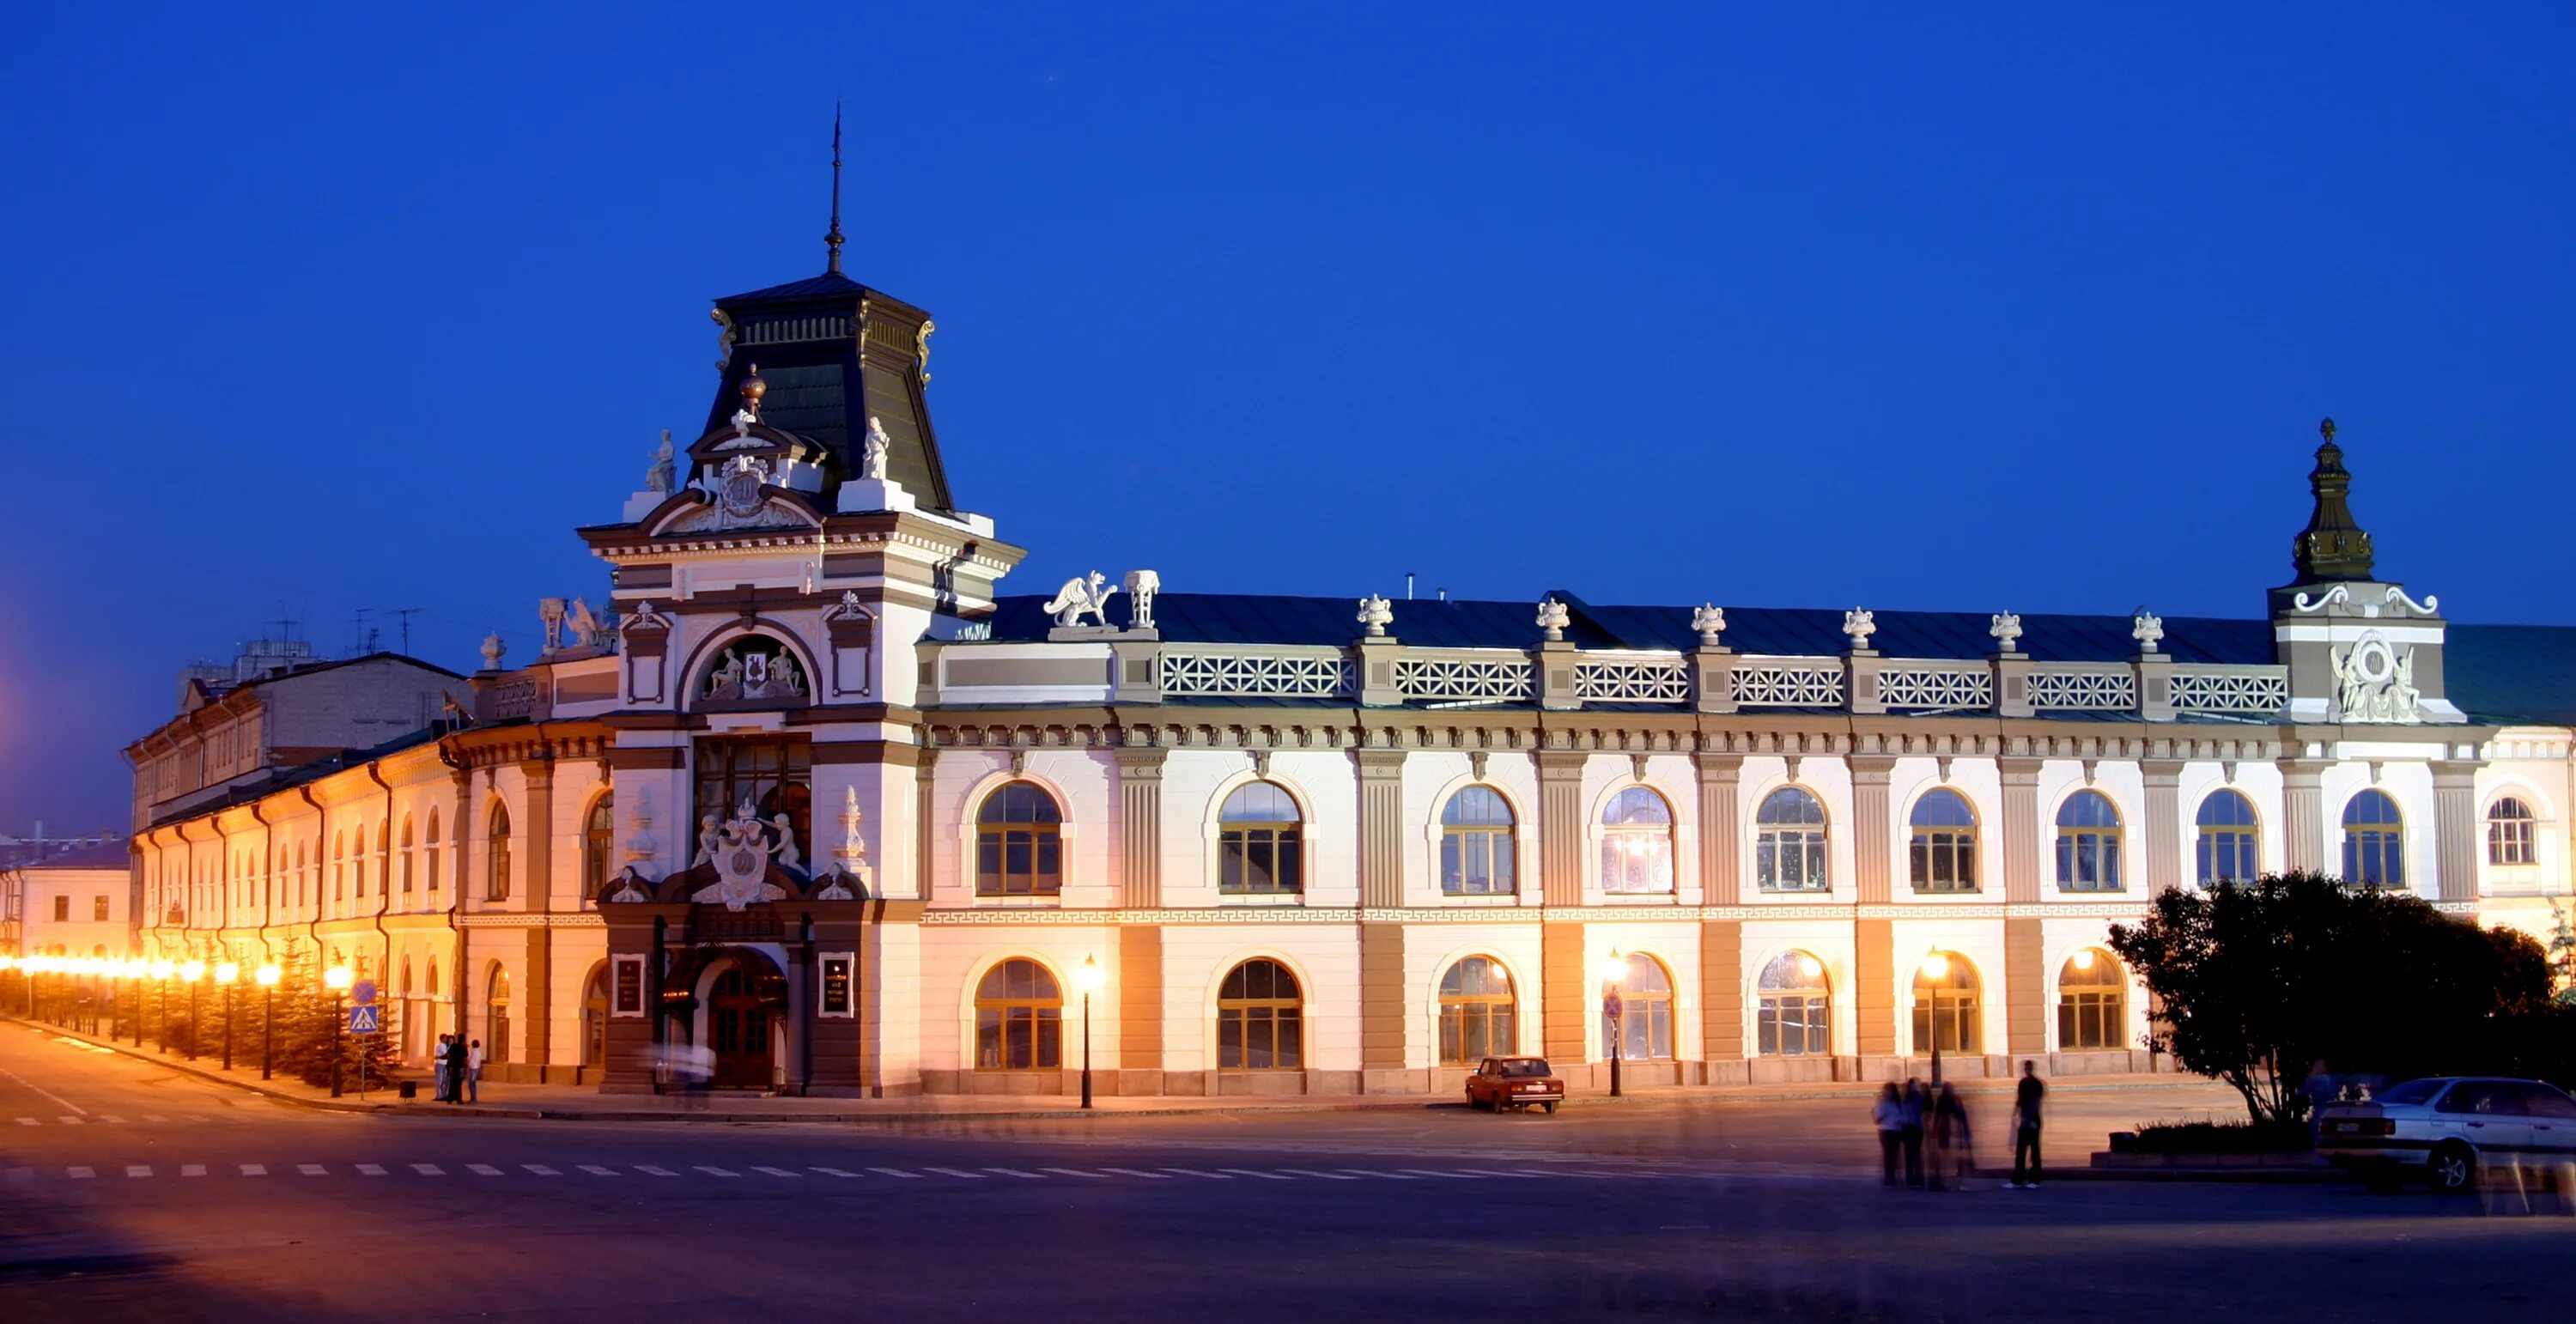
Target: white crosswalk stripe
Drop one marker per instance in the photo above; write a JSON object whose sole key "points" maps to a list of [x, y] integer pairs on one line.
{"points": [[138, 1169], [1015, 1172], [28, 1121], [835, 1172], [371, 1170], [254, 1170], [541, 1169], [1070, 1172], [1390, 1176], [1308, 1172], [192, 1169], [1193, 1172], [1425, 1172], [1128, 1172], [429, 1169], [956, 1172], [650, 1171], [312, 1169], [1247, 1172], [718, 1172], [597, 1171], [70, 1121], [896, 1172], [777, 1172], [104, 1117], [482, 1169]]}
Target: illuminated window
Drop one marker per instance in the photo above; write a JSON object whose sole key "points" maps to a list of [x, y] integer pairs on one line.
{"points": [[2092, 1002], [1636, 843], [1019, 843], [1476, 1012], [1644, 1026], [598, 842], [430, 862], [496, 1016], [2088, 843], [1945, 842], [2374, 841], [1476, 844], [1789, 842], [1260, 842], [2509, 833], [496, 872], [771, 774], [1019, 1018], [1945, 1006], [1795, 1018], [2229, 839], [1257, 1019], [406, 855]]}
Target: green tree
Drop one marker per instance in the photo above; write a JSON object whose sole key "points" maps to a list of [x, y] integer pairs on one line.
{"points": [[2562, 956]]}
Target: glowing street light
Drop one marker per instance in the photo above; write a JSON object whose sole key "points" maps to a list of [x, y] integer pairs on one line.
{"points": [[1936, 968], [1614, 972], [1088, 977], [338, 979]]}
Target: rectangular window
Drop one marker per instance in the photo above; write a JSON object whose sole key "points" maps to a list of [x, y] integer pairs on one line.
{"points": [[62, 909], [2227, 855], [98, 909]]}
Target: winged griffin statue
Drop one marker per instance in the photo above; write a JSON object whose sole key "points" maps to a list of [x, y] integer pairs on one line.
{"points": [[1082, 597]]}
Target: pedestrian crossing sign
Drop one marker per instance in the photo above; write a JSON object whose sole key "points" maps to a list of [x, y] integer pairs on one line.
{"points": [[362, 1019]]}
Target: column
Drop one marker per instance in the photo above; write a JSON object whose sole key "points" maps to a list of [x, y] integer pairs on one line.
{"points": [[2455, 830], [1385, 1018], [2025, 987], [1721, 994], [1140, 827], [459, 834], [1140, 1008], [2304, 811], [1874, 988], [1720, 778], [1560, 825], [2021, 828], [538, 837], [1381, 774], [1870, 855], [2164, 824], [1565, 986]]}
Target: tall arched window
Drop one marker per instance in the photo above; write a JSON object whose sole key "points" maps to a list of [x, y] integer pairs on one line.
{"points": [[1945, 1005], [2229, 840], [1795, 1018], [1789, 841], [1019, 843], [598, 842], [2088, 843], [2509, 832], [403, 1008], [339, 866], [1476, 1012], [2374, 841], [406, 855], [1636, 843], [2092, 1002], [430, 861], [1019, 1018], [496, 1016], [1644, 1025], [1257, 1019], [1945, 842], [1476, 844], [299, 875], [496, 873], [358, 862], [1260, 842]]}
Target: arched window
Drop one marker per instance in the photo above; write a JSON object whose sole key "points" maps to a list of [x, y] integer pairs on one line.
{"points": [[1644, 1026], [1636, 844], [2228, 840], [339, 866], [2088, 843], [1795, 1018], [1789, 841], [1257, 1025], [1260, 842], [2374, 841], [2509, 832], [406, 855], [299, 874], [1019, 843], [1945, 1005], [2092, 1002], [496, 1017], [496, 873], [1945, 842], [1476, 1012], [431, 862], [1476, 844], [358, 862], [1019, 1018], [598, 841]]}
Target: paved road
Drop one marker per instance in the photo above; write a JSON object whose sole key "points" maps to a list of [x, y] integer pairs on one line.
{"points": [[1738, 1211]]}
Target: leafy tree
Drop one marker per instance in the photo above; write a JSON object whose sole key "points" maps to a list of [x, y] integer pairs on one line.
{"points": [[2562, 956]]}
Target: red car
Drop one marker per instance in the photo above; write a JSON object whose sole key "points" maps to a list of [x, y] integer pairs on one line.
{"points": [[1514, 1082]]}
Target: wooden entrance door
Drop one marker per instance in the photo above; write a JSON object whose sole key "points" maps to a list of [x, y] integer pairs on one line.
{"points": [[738, 1030]]}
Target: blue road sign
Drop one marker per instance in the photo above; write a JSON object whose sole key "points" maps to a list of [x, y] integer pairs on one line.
{"points": [[364, 993], [362, 1019]]}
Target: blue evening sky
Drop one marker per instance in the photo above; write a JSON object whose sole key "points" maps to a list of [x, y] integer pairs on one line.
{"points": [[318, 309]]}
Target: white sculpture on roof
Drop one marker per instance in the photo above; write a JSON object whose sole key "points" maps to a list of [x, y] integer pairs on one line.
{"points": [[1082, 597], [2007, 631], [1376, 613], [872, 452], [2375, 681], [1860, 623], [660, 477], [2147, 628], [1553, 617], [1710, 620], [1142, 585]]}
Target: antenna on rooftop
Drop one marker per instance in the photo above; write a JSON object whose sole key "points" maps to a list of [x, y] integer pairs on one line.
{"points": [[404, 615]]}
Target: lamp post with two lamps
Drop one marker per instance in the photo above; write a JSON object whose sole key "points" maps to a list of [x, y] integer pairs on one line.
{"points": [[1614, 972], [1936, 969], [1089, 978], [268, 976], [338, 979]]}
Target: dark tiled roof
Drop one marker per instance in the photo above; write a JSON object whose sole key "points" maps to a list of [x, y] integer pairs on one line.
{"points": [[1230, 618], [104, 855], [2512, 673], [829, 284], [289, 778]]}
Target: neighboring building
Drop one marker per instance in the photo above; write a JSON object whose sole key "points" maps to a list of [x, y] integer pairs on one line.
{"points": [[69, 904], [820, 798]]}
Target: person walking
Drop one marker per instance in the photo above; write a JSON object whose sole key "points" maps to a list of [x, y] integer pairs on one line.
{"points": [[1953, 1148], [1914, 1105], [438, 1060], [1889, 1116], [2026, 1101], [456, 1068], [474, 1072]]}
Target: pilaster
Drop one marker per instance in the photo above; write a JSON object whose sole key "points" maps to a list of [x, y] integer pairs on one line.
{"points": [[2455, 830], [1560, 825], [1871, 854], [1721, 985], [538, 871], [2025, 987], [1721, 778], [2304, 814], [1381, 777], [2163, 823], [1140, 826], [2020, 828]]}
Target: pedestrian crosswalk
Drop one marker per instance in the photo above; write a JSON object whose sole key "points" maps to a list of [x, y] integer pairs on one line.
{"points": [[881, 1176], [115, 1119]]}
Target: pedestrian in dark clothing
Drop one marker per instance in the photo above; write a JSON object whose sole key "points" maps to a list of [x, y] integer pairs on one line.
{"points": [[1889, 1116], [1914, 1106], [1953, 1149], [2026, 1097], [456, 1069]]}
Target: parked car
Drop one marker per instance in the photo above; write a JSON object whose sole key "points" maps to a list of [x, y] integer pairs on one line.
{"points": [[2446, 1130], [1514, 1082]]}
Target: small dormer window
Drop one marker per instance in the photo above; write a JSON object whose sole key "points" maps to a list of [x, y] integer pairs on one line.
{"points": [[755, 669]]}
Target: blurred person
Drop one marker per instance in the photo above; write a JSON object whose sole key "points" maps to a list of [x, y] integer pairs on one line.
{"points": [[1953, 1147], [2026, 1100], [438, 1059], [474, 1072], [1889, 1115], [456, 1056], [1914, 1105]]}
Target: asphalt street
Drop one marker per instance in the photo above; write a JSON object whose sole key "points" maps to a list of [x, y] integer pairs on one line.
{"points": [[127, 1191]]}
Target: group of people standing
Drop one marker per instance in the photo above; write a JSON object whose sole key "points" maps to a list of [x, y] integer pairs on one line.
{"points": [[460, 1069], [1910, 1117]]}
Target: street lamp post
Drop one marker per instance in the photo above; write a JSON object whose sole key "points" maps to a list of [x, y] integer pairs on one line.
{"points": [[1089, 978], [1936, 968], [227, 974], [1614, 972], [338, 979], [267, 977], [191, 974]]}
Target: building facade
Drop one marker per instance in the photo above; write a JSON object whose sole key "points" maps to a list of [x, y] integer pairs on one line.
{"points": [[816, 794], [70, 903]]}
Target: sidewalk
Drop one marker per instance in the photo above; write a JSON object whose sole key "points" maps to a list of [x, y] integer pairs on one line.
{"points": [[583, 1104]]}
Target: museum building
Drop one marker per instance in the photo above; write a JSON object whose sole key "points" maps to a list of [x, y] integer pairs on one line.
{"points": [[814, 794]]}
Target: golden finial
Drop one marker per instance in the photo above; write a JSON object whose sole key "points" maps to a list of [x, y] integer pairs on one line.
{"points": [[752, 389], [2325, 429]]}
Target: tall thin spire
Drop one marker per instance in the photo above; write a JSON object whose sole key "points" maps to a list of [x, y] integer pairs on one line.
{"points": [[832, 238]]}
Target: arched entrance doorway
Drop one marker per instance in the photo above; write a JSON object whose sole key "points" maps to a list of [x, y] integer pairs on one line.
{"points": [[594, 1019], [742, 1010]]}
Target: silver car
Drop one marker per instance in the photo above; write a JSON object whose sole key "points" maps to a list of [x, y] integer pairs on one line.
{"points": [[2446, 1131]]}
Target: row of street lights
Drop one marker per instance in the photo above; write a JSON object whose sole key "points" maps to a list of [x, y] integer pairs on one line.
{"points": [[192, 973]]}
